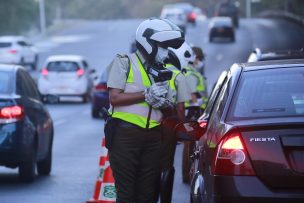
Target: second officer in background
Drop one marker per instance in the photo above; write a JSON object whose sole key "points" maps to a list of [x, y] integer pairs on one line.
{"points": [[179, 94]]}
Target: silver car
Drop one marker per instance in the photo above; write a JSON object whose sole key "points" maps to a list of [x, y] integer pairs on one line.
{"points": [[17, 50], [66, 76]]}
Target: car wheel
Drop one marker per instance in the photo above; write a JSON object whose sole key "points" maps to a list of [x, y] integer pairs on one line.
{"points": [[44, 166], [84, 99], [95, 113], [210, 39], [232, 39], [35, 63], [27, 168], [21, 62]]}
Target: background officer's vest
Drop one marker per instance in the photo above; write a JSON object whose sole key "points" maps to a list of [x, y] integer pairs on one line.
{"points": [[200, 88], [137, 114], [172, 84]]}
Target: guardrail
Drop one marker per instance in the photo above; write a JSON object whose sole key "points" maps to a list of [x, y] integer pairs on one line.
{"points": [[283, 14]]}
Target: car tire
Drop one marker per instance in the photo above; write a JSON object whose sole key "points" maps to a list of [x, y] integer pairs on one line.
{"points": [[35, 63], [21, 62], [210, 39], [27, 169], [232, 39], [95, 113], [85, 98], [44, 166]]}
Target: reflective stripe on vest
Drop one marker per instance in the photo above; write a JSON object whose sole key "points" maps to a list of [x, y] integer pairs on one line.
{"points": [[172, 84], [200, 87], [137, 114]]}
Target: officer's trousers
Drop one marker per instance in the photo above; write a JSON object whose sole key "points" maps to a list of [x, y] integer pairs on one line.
{"points": [[135, 159], [167, 159]]}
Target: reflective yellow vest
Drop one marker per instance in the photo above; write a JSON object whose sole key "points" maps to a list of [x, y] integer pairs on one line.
{"points": [[200, 88], [137, 114], [172, 84]]}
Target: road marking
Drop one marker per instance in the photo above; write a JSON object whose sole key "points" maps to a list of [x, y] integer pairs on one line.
{"points": [[219, 57], [61, 39], [59, 122], [45, 46]]}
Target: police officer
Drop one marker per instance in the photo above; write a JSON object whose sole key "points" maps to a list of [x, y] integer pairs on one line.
{"points": [[137, 102], [196, 104], [179, 94], [199, 62]]}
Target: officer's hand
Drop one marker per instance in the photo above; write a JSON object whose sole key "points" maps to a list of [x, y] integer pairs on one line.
{"points": [[162, 103], [159, 89]]}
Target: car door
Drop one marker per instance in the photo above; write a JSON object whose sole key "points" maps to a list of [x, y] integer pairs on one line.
{"points": [[34, 109]]}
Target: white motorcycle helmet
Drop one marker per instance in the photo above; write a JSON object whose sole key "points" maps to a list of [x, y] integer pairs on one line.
{"points": [[182, 56], [154, 36]]}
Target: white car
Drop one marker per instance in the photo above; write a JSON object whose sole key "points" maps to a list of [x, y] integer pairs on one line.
{"points": [[176, 16], [17, 50], [66, 75]]}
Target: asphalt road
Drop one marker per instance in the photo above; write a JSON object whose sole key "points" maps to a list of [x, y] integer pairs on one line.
{"points": [[78, 136]]}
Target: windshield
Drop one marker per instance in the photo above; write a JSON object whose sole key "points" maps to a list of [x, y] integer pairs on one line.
{"points": [[5, 44], [269, 93], [63, 66], [6, 85]]}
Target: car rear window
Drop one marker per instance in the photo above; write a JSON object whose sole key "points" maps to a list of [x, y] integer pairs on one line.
{"points": [[62, 66], [5, 44], [269, 93], [6, 84]]}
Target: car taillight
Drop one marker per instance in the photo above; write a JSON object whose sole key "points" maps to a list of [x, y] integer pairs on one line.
{"points": [[101, 88], [80, 72], [192, 15], [12, 51], [231, 157], [44, 72], [11, 114]]}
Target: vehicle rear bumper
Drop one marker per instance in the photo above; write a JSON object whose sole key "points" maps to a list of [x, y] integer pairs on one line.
{"points": [[225, 33], [74, 89], [250, 189], [9, 60]]}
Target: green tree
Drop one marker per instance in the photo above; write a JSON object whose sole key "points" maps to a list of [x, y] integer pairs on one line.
{"points": [[17, 16]]}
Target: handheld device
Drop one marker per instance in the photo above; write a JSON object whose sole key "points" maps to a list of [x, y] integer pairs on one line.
{"points": [[159, 72]]}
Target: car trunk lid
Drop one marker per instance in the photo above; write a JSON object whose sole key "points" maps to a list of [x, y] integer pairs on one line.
{"points": [[277, 153]]}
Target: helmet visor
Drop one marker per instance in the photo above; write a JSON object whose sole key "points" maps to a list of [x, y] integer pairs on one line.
{"points": [[174, 43], [167, 39]]}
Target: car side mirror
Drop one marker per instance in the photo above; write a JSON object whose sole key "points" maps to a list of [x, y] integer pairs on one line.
{"points": [[190, 130], [50, 98]]}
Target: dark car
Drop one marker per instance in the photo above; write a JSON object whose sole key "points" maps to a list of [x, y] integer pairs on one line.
{"points": [[258, 55], [26, 128], [228, 9], [251, 136], [221, 27], [100, 97]]}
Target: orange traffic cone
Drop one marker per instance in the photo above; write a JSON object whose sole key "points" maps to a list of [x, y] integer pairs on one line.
{"points": [[108, 190], [103, 165]]}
